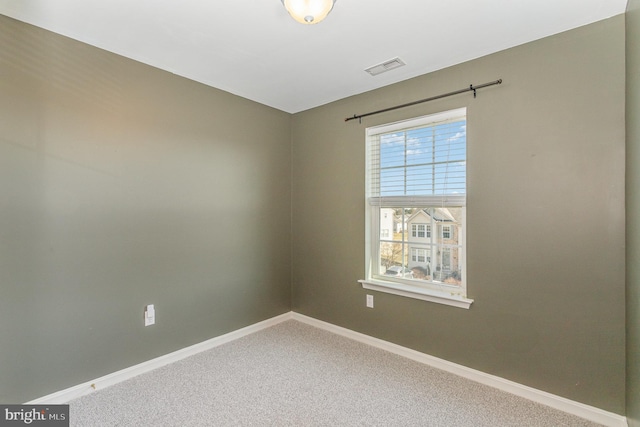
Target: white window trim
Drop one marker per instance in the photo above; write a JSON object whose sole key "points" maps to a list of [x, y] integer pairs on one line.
{"points": [[416, 292], [400, 287]]}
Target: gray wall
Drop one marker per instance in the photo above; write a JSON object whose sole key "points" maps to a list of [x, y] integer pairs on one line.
{"points": [[633, 207], [122, 185], [545, 217]]}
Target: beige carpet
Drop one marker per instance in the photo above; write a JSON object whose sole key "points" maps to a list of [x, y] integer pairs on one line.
{"points": [[293, 374]]}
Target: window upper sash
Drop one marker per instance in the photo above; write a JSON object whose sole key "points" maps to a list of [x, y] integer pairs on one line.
{"points": [[418, 163]]}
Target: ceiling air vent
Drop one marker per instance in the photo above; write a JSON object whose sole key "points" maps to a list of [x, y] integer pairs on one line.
{"points": [[385, 66]]}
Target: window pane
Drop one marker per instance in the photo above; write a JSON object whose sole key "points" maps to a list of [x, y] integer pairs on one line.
{"points": [[447, 269], [420, 180], [393, 260], [390, 255], [451, 141], [387, 221], [420, 262], [392, 149], [392, 182], [419, 146], [450, 178]]}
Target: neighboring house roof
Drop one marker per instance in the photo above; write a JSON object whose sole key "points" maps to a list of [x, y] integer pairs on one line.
{"points": [[439, 214]]}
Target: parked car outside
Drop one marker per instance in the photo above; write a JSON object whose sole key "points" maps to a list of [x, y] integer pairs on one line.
{"points": [[399, 271]]}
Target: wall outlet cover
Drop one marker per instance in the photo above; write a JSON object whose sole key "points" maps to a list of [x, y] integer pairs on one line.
{"points": [[370, 301]]}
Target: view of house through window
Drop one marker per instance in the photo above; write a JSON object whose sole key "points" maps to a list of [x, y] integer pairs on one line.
{"points": [[416, 200], [425, 256]]}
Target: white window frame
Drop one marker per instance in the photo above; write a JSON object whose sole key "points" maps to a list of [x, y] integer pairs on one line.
{"points": [[452, 295]]}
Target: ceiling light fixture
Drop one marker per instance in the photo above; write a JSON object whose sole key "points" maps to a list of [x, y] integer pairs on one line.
{"points": [[308, 11]]}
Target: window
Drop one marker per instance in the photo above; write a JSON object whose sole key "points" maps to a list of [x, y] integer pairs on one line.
{"points": [[420, 255], [418, 230], [416, 170]]}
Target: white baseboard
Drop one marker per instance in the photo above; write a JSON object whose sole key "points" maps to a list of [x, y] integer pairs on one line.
{"points": [[590, 413], [576, 408], [79, 390]]}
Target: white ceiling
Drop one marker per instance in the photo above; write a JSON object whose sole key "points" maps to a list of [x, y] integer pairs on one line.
{"points": [[252, 48]]}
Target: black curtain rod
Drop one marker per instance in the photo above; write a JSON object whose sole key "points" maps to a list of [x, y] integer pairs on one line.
{"points": [[433, 98]]}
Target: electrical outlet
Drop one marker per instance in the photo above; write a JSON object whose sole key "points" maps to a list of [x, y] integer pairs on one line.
{"points": [[370, 301], [149, 315]]}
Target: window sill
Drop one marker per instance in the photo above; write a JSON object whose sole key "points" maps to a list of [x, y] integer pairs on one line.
{"points": [[417, 293]]}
